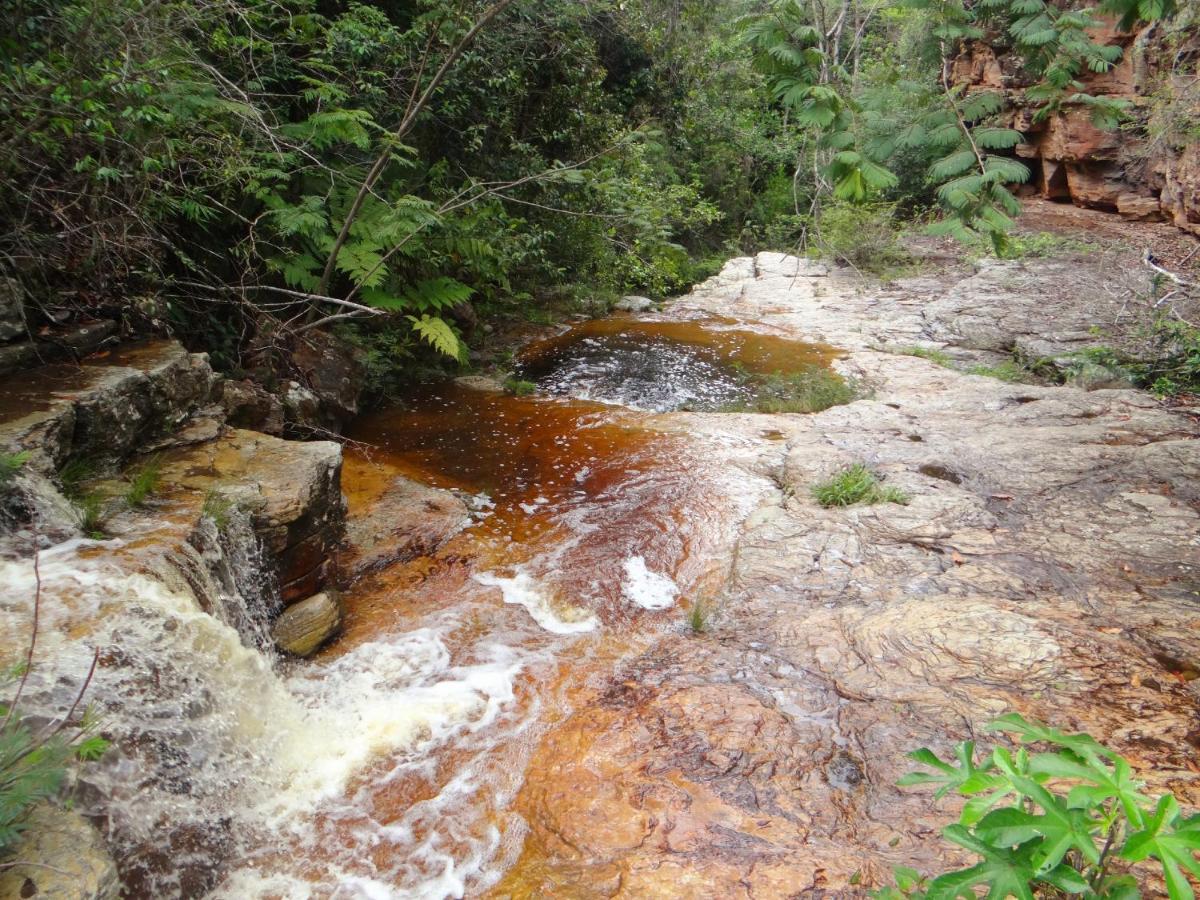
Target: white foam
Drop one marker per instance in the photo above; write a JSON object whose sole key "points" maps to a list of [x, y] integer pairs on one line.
{"points": [[522, 590], [649, 590]]}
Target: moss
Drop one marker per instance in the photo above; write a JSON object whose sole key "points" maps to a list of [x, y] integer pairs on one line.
{"points": [[934, 356], [518, 387]]}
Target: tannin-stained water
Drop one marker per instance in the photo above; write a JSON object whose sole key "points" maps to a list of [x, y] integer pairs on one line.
{"points": [[388, 765]]}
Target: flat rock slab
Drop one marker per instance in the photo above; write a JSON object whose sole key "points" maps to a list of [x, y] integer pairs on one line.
{"points": [[1047, 563], [396, 519], [105, 407]]}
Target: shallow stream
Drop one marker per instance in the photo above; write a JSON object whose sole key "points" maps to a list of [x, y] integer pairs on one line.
{"points": [[391, 764]]}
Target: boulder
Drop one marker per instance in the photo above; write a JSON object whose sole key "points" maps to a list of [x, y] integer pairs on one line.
{"points": [[304, 627], [480, 383], [248, 404], [331, 372], [59, 857], [105, 407], [12, 309], [634, 303]]}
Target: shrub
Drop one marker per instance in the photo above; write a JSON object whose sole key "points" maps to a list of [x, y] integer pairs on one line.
{"points": [[1067, 820], [863, 235], [35, 761], [856, 484]]}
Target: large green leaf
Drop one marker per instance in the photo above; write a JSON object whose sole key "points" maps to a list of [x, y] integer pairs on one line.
{"points": [[1005, 873], [1173, 842]]}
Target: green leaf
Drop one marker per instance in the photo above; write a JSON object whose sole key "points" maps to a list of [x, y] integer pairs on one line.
{"points": [[1172, 842], [1005, 873], [439, 335]]}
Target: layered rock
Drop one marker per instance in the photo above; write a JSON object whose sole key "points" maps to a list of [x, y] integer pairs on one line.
{"points": [[1119, 170], [1045, 564]]}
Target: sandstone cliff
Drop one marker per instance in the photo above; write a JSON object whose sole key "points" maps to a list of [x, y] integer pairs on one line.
{"points": [[1147, 169]]}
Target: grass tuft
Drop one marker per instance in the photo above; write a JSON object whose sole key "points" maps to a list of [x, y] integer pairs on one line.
{"points": [[144, 482], [74, 474], [217, 507], [10, 465], [1010, 370], [856, 484], [699, 617], [519, 388], [934, 356], [90, 514], [809, 391]]}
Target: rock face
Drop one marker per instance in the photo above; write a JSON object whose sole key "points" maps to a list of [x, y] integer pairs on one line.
{"points": [[104, 408], [290, 489], [1045, 564], [1117, 170], [400, 519], [305, 626], [67, 861]]}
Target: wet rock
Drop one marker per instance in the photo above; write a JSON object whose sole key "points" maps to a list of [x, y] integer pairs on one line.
{"points": [[304, 627], [17, 357], [64, 859], [402, 520], [290, 489], [12, 309], [480, 383], [103, 408], [332, 375], [634, 303], [248, 404], [1046, 564]]}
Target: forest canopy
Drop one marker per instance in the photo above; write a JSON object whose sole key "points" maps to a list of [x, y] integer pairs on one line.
{"points": [[260, 168]]}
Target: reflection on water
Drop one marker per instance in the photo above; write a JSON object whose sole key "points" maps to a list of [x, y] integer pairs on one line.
{"points": [[663, 365]]}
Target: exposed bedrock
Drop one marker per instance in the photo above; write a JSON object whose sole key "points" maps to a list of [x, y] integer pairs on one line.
{"points": [[1047, 563]]}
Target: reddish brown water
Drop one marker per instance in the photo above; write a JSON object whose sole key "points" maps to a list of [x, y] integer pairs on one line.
{"points": [[595, 529]]}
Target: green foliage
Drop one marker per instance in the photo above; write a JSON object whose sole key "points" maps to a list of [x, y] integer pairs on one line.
{"points": [[934, 356], [1009, 370], [1067, 819], [143, 482], [91, 513], [10, 465], [811, 390], [856, 484], [74, 474], [218, 508], [519, 388], [699, 616], [863, 235], [1037, 245]]}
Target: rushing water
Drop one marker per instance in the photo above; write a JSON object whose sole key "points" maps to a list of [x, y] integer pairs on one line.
{"points": [[387, 766]]}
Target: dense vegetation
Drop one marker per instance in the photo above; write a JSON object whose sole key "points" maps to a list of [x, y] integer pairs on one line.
{"points": [[239, 171]]}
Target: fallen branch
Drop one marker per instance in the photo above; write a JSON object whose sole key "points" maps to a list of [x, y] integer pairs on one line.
{"points": [[1148, 260]]}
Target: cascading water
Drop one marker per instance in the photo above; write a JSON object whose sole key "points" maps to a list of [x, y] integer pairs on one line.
{"points": [[388, 765]]}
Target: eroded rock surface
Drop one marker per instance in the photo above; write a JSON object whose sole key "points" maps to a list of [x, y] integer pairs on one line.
{"points": [[1047, 563], [66, 857]]}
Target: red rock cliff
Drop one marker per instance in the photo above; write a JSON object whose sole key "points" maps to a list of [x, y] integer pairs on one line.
{"points": [[1149, 167]]}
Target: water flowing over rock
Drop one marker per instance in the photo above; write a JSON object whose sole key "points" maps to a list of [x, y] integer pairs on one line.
{"points": [[1042, 565]]}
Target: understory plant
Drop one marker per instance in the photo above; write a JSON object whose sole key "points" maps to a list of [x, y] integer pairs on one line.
{"points": [[856, 484], [1061, 817], [36, 759]]}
